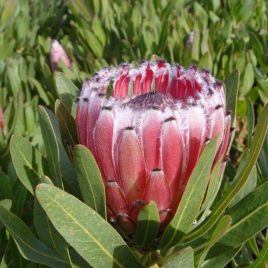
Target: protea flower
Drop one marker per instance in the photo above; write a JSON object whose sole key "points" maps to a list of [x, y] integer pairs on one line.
{"points": [[147, 126], [57, 54]]}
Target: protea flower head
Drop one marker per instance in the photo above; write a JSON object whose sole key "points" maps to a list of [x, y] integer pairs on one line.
{"points": [[57, 54], [147, 126]]}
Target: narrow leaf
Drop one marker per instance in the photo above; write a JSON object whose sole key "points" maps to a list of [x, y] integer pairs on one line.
{"points": [[51, 145], [147, 225], [65, 165], [66, 124], [251, 120], [248, 79], [67, 91], [163, 37], [219, 231], [89, 179], [41, 91], [67, 169], [196, 43], [221, 260], [87, 232], [251, 182], [28, 162], [232, 85], [29, 246], [213, 187], [263, 159], [6, 203], [18, 198], [191, 200], [47, 233]]}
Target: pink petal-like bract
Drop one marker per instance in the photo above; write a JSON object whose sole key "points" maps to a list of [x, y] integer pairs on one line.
{"points": [[57, 54], [147, 127]]}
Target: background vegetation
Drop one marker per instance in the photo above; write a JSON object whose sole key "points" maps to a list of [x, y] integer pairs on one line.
{"points": [[220, 36]]}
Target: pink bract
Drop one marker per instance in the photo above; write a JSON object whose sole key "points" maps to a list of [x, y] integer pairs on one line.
{"points": [[147, 126], [57, 54]]}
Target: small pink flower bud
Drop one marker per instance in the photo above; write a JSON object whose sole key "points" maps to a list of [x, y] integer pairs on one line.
{"points": [[190, 39], [149, 134], [58, 54]]}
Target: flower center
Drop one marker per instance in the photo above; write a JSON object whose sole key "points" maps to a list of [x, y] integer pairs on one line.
{"points": [[151, 100]]}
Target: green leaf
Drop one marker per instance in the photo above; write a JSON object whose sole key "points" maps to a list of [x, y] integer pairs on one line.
{"points": [[206, 61], [45, 179], [67, 91], [251, 120], [221, 260], [147, 225], [232, 85], [213, 187], [5, 261], [85, 230], [191, 200], [18, 198], [47, 233], [28, 162], [89, 179], [93, 43], [8, 10], [248, 79], [51, 145], [41, 91], [219, 231], [251, 182], [80, 7], [29, 246], [262, 89], [204, 42], [66, 123], [184, 258], [168, 9], [77, 261], [98, 31], [260, 133], [18, 260], [252, 244], [261, 260], [263, 159], [196, 43], [250, 216], [66, 167], [6, 203], [163, 37], [5, 186]]}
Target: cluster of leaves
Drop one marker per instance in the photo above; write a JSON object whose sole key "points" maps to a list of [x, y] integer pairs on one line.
{"points": [[52, 227]]}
